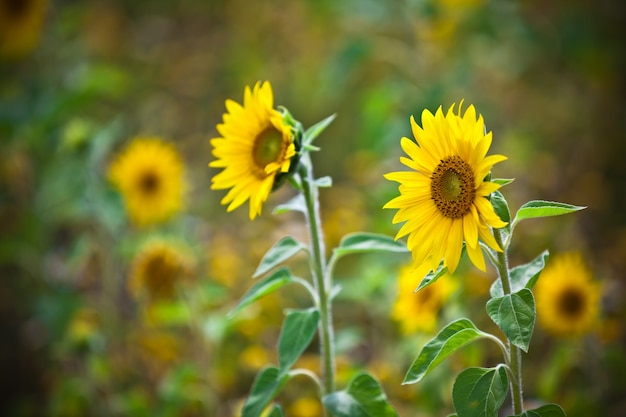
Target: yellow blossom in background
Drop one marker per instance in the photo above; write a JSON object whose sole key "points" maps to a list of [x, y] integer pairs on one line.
{"points": [[20, 26], [149, 174], [157, 270], [256, 145], [419, 311], [567, 298], [84, 324], [443, 200], [305, 407]]}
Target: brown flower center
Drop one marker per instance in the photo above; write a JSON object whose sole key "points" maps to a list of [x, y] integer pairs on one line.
{"points": [[149, 183], [268, 148], [16, 8], [452, 187], [571, 303]]}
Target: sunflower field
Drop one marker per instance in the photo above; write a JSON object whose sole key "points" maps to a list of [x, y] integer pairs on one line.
{"points": [[311, 208]]}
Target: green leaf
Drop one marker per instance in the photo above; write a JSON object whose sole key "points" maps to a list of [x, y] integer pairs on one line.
{"points": [[480, 392], [367, 242], [324, 182], [539, 208], [363, 398], [515, 316], [266, 386], [295, 204], [522, 276], [280, 252], [311, 133], [432, 276], [297, 332], [501, 207], [548, 410], [277, 411], [451, 338], [274, 281], [503, 181]]}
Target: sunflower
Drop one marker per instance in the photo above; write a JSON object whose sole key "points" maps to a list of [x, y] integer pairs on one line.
{"points": [[566, 296], [418, 311], [149, 174], [257, 146], [20, 26], [156, 271], [444, 200]]}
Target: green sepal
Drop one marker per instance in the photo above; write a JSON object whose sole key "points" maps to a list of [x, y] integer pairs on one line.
{"points": [[515, 315], [547, 410], [324, 182], [364, 397], [267, 384], [540, 208], [296, 334], [314, 131], [450, 339], [522, 276], [284, 249], [503, 181], [433, 276], [480, 392], [501, 208]]}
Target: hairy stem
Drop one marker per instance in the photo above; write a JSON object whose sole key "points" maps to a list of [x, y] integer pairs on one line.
{"points": [[515, 352], [323, 283]]}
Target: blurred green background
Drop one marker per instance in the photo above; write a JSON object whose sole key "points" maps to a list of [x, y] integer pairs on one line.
{"points": [[548, 77]]}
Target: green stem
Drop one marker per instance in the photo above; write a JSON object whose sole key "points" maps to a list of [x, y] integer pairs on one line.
{"points": [[516, 353], [322, 282]]}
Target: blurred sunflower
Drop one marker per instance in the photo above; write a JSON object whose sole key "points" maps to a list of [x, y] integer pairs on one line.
{"points": [[149, 174], [157, 269], [444, 199], [568, 300], [418, 311], [256, 146], [20, 26]]}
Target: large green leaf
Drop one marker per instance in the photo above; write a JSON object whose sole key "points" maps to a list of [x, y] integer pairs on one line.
{"points": [[266, 386], [515, 316], [274, 281], [522, 276], [367, 242], [480, 392], [363, 398], [548, 410], [298, 329], [452, 337], [314, 131], [540, 208], [284, 249]]}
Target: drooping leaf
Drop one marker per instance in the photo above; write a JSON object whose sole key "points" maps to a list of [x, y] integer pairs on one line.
{"points": [[367, 242], [363, 398], [284, 249], [266, 386], [274, 281], [522, 276], [297, 332], [547, 410], [295, 204], [515, 316], [314, 131], [540, 208], [451, 338], [480, 392]]}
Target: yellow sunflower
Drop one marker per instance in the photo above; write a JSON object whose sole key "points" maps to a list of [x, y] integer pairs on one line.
{"points": [[444, 200], [20, 26], [256, 146], [157, 270], [568, 300], [149, 174], [418, 311]]}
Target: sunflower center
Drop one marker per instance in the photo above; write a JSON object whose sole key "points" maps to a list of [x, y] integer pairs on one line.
{"points": [[268, 147], [149, 183], [452, 187], [571, 303], [160, 276], [16, 8]]}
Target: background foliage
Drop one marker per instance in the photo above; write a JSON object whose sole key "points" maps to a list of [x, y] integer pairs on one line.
{"points": [[547, 77]]}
